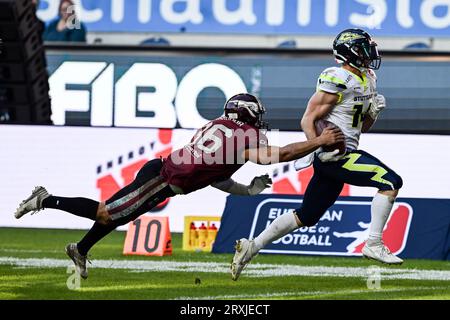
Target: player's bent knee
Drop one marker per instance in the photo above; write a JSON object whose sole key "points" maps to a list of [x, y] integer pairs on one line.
{"points": [[306, 220], [396, 180], [104, 218], [398, 183], [105, 221]]}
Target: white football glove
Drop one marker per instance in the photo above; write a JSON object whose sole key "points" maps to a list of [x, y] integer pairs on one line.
{"points": [[258, 184], [330, 156], [379, 103], [304, 162]]}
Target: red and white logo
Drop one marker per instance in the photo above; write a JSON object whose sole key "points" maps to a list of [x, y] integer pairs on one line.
{"points": [[127, 166], [395, 232]]}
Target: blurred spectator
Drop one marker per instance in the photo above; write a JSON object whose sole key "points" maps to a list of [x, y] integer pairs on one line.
{"points": [[40, 22], [291, 44], [418, 46], [156, 42], [67, 27]]}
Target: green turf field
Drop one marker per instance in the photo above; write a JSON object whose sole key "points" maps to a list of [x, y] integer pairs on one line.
{"points": [[33, 265]]}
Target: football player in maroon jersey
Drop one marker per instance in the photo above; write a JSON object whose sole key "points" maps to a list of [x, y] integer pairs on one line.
{"points": [[213, 155]]}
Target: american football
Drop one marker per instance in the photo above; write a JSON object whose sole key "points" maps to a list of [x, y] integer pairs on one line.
{"points": [[320, 126]]}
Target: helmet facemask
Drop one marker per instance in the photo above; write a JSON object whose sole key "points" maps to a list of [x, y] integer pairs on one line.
{"points": [[367, 56], [375, 57]]}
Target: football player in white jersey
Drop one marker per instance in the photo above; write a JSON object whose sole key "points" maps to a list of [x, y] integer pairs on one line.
{"points": [[346, 96]]}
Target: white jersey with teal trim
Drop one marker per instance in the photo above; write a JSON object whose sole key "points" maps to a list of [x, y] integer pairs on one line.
{"points": [[355, 97]]}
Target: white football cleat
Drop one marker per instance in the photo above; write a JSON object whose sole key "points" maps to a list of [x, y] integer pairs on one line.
{"points": [[78, 259], [33, 203], [379, 252], [245, 251]]}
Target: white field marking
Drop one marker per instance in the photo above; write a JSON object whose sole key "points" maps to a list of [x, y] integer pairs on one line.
{"points": [[304, 293], [28, 251], [253, 270]]}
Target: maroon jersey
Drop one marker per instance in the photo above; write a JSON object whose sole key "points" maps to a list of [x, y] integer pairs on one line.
{"points": [[214, 154]]}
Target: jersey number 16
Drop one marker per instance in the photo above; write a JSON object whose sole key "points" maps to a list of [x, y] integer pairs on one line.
{"points": [[204, 138]]}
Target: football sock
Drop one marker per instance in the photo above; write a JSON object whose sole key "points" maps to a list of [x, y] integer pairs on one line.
{"points": [[81, 207], [281, 226], [94, 235], [380, 210]]}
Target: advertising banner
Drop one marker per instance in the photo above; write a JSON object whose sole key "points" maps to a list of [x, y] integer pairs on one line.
{"points": [[157, 89], [96, 162], [383, 17], [416, 228]]}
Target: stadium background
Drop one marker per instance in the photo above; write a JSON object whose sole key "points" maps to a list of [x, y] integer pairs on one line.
{"points": [[153, 71]]}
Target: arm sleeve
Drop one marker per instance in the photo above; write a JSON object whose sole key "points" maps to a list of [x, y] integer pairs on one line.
{"points": [[231, 187]]}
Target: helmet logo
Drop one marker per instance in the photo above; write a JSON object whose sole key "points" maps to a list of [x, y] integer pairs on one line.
{"points": [[245, 108], [252, 107], [349, 36]]}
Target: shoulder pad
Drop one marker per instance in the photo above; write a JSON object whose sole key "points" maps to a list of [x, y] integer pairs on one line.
{"points": [[333, 80]]}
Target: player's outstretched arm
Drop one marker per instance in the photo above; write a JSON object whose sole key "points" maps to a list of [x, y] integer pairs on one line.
{"points": [[257, 185], [293, 151]]}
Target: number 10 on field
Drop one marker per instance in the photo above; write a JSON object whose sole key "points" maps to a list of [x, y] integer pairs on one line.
{"points": [[148, 236]]}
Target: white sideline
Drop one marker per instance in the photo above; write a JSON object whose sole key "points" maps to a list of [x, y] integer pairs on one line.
{"points": [[304, 293], [253, 270]]}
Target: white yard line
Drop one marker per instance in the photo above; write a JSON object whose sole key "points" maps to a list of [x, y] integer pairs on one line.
{"points": [[28, 251], [304, 293], [253, 270]]}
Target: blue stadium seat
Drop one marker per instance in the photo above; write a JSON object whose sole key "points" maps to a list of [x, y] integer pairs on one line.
{"points": [[418, 45], [156, 41], [288, 44]]}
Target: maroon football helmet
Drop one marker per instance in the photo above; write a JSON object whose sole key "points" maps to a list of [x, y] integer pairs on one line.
{"points": [[246, 108]]}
